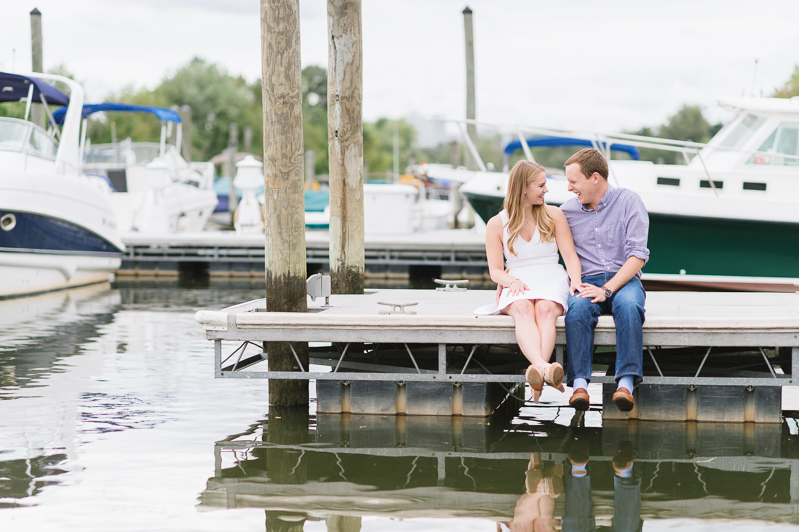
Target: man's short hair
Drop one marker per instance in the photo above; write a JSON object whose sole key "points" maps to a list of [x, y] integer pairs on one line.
{"points": [[590, 161]]}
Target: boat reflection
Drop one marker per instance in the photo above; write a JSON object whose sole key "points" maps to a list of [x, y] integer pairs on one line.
{"points": [[42, 341], [521, 473]]}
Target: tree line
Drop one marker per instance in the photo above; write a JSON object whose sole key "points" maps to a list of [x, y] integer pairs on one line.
{"points": [[218, 99]]}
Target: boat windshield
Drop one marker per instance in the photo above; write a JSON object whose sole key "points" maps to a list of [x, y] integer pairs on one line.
{"points": [[19, 135], [743, 131], [13, 134], [783, 141], [124, 153]]}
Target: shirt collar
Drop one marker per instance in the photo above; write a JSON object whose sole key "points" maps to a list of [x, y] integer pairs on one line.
{"points": [[605, 201]]}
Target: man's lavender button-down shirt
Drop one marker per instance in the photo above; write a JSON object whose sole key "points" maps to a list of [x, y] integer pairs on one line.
{"points": [[606, 237]]}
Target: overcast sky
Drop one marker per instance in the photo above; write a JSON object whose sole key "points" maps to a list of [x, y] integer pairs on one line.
{"points": [[607, 65]]}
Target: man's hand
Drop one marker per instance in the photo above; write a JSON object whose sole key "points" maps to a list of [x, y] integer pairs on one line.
{"points": [[592, 291]]}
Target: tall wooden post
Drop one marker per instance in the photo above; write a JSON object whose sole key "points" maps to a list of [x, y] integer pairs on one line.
{"points": [[471, 129], [284, 249], [345, 145], [37, 115]]}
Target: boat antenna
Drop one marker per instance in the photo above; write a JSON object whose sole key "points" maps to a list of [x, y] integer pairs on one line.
{"points": [[754, 79]]}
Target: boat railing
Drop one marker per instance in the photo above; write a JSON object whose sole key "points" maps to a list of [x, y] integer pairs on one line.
{"points": [[602, 141]]}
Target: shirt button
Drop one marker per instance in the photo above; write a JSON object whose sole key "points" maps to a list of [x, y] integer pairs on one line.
{"points": [[596, 229], [600, 245]]}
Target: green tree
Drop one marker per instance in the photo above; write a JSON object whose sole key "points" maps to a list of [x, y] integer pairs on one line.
{"points": [[791, 87], [688, 124], [378, 145], [314, 115], [216, 100]]}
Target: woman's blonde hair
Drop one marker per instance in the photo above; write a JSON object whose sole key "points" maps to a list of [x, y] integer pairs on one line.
{"points": [[522, 174]]}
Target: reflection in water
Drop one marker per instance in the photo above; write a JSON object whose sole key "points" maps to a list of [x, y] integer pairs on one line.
{"points": [[577, 478], [110, 406]]}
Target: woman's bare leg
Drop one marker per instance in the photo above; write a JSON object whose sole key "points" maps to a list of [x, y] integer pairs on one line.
{"points": [[527, 334], [546, 312]]}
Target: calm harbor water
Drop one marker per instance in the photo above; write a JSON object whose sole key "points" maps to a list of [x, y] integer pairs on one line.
{"points": [[110, 419]]}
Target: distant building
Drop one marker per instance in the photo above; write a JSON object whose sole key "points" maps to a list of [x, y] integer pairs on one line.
{"points": [[429, 131]]}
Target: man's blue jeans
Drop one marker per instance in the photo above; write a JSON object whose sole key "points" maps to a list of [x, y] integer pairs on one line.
{"points": [[627, 308]]}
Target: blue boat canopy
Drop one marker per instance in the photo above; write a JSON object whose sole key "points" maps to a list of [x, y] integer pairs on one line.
{"points": [[164, 115], [551, 142], [14, 88]]}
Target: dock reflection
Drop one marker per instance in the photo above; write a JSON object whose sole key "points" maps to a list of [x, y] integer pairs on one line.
{"points": [[520, 473]]}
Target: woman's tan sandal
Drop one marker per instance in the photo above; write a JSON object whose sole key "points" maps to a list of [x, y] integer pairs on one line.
{"points": [[553, 376], [536, 381]]}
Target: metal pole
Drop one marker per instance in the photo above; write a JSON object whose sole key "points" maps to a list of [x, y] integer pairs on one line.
{"points": [[233, 147], [284, 246], [345, 145]]}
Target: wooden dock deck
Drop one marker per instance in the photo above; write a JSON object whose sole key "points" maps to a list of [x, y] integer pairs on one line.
{"points": [[744, 343]]}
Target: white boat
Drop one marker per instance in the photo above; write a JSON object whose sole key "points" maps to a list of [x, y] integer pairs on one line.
{"points": [[57, 226], [188, 195], [727, 218]]}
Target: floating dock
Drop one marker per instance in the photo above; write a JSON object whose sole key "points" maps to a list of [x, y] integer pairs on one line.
{"points": [[455, 254], [707, 356]]}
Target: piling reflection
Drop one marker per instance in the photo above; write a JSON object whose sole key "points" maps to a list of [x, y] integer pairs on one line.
{"points": [[521, 474]]}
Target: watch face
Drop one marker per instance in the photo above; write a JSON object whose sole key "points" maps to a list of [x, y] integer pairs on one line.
{"points": [[608, 293]]}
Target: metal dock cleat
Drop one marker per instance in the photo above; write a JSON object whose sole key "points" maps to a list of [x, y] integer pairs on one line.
{"points": [[397, 308], [451, 285]]}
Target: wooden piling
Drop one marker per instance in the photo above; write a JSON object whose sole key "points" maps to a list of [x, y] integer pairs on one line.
{"points": [[471, 164], [37, 115], [287, 426], [284, 250], [345, 145]]}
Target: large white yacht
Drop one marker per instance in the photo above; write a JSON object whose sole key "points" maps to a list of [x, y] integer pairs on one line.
{"points": [[187, 191], [57, 227], [727, 218]]}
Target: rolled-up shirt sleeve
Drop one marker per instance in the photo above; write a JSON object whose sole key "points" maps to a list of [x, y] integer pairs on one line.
{"points": [[637, 230]]}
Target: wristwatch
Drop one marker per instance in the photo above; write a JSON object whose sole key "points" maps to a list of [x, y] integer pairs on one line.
{"points": [[608, 292]]}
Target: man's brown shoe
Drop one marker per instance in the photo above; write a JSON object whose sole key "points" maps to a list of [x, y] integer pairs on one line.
{"points": [[579, 399], [623, 399]]}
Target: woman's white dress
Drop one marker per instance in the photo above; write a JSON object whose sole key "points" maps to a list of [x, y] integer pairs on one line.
{"points": [[536, 265]]}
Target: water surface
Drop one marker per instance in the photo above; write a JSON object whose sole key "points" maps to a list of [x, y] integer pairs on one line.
{"points": [[110, 419]]}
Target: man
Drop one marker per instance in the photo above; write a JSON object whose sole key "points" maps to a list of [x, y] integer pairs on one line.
{"points": [[610, 228]]}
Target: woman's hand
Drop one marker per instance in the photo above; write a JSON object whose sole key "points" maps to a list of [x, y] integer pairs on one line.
{"points": [[575, 286], [517, 287]]}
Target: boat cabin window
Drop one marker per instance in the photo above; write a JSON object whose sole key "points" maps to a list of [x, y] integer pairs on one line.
{"points": [[742, 131], [783, 141], [12, 134], [41, 142]]}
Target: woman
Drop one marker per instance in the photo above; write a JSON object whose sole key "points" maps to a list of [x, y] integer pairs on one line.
{"points": [[529, 233]]}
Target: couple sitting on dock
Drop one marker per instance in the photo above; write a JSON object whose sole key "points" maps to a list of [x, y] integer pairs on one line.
{"points": [[601, 235]]}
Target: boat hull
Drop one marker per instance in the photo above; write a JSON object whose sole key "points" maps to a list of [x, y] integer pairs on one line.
{"points": [[43, 253], [712, 253], [31, 273]]}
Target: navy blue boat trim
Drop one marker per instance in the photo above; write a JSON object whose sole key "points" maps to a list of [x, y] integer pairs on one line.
{"points": [[35, 233]]}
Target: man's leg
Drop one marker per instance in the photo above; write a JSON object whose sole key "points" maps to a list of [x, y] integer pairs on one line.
{"points": [[628, 316], [581, 319]]}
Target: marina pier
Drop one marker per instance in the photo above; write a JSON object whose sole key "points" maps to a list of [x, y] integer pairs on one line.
{"points": [[708, 356]]}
